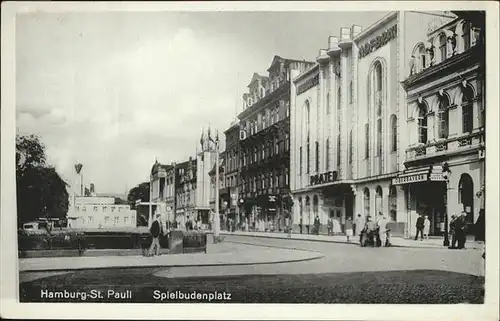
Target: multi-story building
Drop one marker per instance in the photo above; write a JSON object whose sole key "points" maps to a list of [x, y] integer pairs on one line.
{"points": [[185, 191], [204, 164], [445, 117], [162, 192], [99, 212], [231, 171], [264, 141], [347, 123]]}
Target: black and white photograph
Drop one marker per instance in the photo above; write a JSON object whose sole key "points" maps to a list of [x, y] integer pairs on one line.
{"points": [[212, 156]]}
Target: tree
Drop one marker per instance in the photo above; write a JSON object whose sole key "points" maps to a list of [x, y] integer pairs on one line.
{"points": [[140, 192], [41, 192]]}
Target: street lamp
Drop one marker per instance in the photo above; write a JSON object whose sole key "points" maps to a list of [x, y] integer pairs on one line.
{"points": [[446, 176]]}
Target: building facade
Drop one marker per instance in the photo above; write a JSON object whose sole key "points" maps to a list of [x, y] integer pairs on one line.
{"points": [[100, 212], [223, 192], [162, 192], [445, 116], [231, 171], [264, 142], [185, 191], [347, 125]]}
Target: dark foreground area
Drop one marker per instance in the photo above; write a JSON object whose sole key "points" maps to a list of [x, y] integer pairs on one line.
{"points": [[408, 287]]}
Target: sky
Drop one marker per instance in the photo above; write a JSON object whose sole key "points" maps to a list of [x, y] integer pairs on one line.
{"points": [[116, 90]]}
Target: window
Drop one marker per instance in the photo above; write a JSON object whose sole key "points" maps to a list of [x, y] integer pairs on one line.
{"points": [[443, 116], [264, 123], [338, 150], [287, 142], [116, 220], [466, 196], [421, 56], [287, 108], [379, 137], [394, 133], [393, 203], [377, 76], [350, 147], [277, 114], [327, 152], [300, 160], [338, 98], [106, 219], [366, 201], [315, 205], [443, 47], [378, 200], [317, 156], [307, 156], [328, 103], [351, 92], [287, 176], [467, 114], [466, 35], [422, 124], [367, 140], [308, 114]]}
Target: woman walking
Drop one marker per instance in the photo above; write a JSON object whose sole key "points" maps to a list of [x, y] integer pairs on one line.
{"points": [[427, 227]]}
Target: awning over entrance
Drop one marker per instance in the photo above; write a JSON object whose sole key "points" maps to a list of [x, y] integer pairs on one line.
{"points": [[422, 174]]}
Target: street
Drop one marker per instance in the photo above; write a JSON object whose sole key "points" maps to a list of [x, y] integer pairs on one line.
{"points": [[346, 274]]}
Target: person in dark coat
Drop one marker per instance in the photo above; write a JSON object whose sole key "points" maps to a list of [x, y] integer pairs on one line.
{"points": [[452, 231], [316, 225], [480, 226], [461, 230], [155, 233], [420, 227]]}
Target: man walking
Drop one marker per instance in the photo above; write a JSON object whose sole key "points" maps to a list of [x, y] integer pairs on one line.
{"points": [[453, 233], [420, 227], [330, 226], [382, 229], [461, 228], [316, 225], [348, 229], [155, 232]]}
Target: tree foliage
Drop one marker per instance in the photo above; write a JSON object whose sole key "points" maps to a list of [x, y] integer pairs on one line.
{"points": [[41, 192], [139, 192]]}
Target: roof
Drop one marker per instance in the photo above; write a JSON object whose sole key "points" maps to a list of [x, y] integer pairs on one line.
{"points": [[277, 59], [157, 166], [256, 77]]}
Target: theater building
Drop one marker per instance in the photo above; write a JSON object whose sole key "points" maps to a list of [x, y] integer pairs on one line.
{"points": [[346, 123], [445, 116], [264, 142]]}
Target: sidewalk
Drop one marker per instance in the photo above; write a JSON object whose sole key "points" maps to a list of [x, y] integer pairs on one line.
{"points": [[251, 257], [395, 241]]}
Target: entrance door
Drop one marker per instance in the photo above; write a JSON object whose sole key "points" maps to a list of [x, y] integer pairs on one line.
{"points": [[466, 194], [349, 204]]}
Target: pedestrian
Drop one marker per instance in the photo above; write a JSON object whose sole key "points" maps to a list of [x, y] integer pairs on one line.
{"points": [[317, 224], [427, 227], [301, 224], [360, 224], [155, 230], [370, 229], [462, 230], [420, 227], [452, 232], [479, 227], [330, 226], [382, 229], [348, 229], [336, 226]]}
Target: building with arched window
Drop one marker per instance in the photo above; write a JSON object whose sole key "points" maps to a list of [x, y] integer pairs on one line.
{"points": [[355, 143], [444, 118]]}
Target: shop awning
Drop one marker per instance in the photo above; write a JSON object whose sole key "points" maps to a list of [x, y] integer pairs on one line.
{"points": [[422, 174]]}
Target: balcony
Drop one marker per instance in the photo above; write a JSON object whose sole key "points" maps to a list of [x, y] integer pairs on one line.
{"points": [[463, 144], [322, 57], [333, 46]]}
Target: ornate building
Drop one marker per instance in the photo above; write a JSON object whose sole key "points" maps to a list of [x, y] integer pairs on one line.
{"points": [[347, 123], [445, 116], [264, 142], [185, 191]]}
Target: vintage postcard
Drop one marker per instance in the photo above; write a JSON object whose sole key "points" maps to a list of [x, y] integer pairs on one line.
{"points": [[210, 155]]}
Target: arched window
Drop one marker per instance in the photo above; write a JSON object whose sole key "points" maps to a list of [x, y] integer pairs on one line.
{"points": [[327, 152], [328, 103], [338, 150], [338, 98], [317, 156], [315, 205], [308, 114], [393, 203], [422, 123], [421, 58], [444, 103], [301, 208], [377, 77], [300, 160], [466, 196], [308, 209], [443, 43], [394, 133], [466, 35], [308, 154], [367, 140], [378, 200], [467, 114], [379, 137], [350, 147], [366, 201], [351, 93]]}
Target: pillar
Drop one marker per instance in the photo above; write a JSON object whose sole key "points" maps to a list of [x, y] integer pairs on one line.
{"points": [[385, 201]]}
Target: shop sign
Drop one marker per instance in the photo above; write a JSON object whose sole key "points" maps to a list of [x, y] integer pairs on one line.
{"points": [[409, 179], [327, 177], [437, 177], [308, 84], [378, 41]]}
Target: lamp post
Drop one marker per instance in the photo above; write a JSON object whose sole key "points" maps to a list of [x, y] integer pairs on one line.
{"points": [[446, 176]]}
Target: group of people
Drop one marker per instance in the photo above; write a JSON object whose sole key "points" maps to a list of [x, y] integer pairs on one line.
{"points": [[373, 232]]}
